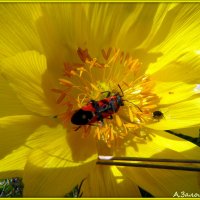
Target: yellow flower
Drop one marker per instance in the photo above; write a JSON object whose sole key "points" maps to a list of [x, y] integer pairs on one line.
{"points": [[55, 58]]}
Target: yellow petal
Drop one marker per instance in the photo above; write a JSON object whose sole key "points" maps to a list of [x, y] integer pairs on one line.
{"points": [[13, 164], [192, 132], [155, 142], [53, 182], [174, 143], [55, 48], [9, 103], [64, 146], [18, 31], [66, 32], [104, 181], [180, 115], [177, 25], [164, 183], [141, 147], [133, 26], [14, 130], [160, 22], [28, 76], [178, 34], [184, 68], [61, 163], [18, 136], [110, 18], [173, 92]]}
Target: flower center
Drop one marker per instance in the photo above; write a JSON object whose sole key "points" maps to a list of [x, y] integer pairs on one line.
{"points": [[114, 100]]}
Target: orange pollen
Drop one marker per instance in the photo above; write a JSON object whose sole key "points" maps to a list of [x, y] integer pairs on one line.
{"points": [[90, 78]]}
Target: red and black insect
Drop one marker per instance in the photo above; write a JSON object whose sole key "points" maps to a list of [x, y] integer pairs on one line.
{"points": [[97, 111]]}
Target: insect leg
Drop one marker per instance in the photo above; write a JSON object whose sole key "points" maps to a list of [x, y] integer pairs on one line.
{"points": [[76, 129], [94, 104], [112, 106], [108, 95]]}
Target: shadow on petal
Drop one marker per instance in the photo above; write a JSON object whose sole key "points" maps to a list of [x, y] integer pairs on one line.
{"points": [[15, 130], [53, 182]]}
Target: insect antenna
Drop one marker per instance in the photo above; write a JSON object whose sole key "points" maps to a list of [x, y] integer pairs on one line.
{"points": [[134, 105], [121, 90], [127, 100]]}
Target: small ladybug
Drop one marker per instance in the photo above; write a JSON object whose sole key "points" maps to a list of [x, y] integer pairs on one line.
{"points": [[158, 115], [96, 111]]}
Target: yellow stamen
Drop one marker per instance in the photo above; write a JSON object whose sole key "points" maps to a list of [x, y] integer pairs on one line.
{"points": [[94, 87], [130, 114], [118, 120], [130, 125]]}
